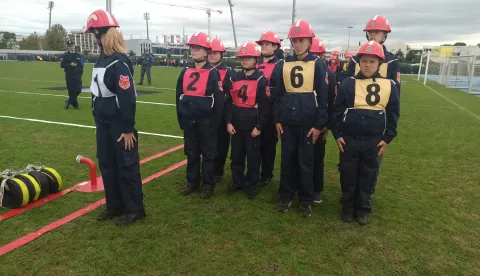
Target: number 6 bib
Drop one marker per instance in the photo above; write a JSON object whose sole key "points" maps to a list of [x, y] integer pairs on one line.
{"points": [[298, 76]]}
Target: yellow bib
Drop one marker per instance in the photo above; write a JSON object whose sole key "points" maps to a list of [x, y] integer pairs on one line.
{"points": [[383, 69], [298, 76], [372, 95]]}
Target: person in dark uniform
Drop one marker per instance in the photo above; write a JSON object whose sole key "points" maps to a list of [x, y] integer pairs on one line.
{"points": [[246, 113], [147, 62], [343, 72], [318, 49], [366, 114], [377, 29], [72, 64], [223, 137], [268, 65], [301, 114], [114, 106], [200, 104]]}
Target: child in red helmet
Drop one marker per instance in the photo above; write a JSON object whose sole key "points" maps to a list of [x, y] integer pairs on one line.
{"points": [[215, 56], [246, 113], [366, 113], [200, 104], [268, 65], [301, 114], [377, 29]]}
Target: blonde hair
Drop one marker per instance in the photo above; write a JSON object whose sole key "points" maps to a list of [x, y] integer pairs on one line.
{"points": [[112, 41]]}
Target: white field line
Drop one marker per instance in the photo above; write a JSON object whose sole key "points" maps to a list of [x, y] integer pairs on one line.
{"points": [[82, 126], [62, 82], [80, 97], [452, 102]]}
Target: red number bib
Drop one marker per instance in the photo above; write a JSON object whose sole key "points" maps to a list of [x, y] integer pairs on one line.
{"points": [[223, 73], [195, 82], [266, 69], [244, 93]]}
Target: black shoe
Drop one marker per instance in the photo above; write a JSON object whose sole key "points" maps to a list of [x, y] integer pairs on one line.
{"points": [[317, 198], [67, 104], [361, 219], [232, 189], [265, 181], [108, 214], [217, 178], [129, 218], [76, 106], [140, 83], [346, 217], [284, 205], [149, 83], [305, 210], [188, 190], [252, 193], [206, 194]]}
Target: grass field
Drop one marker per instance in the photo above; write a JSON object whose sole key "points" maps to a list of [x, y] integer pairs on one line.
{"points": [[426, 217]]}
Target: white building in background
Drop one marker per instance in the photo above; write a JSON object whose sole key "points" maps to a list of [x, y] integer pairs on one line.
{"points": [[84, 42], [138, 46]]}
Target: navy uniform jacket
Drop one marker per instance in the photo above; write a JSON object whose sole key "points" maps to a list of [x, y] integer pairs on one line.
{"points": [[271, 77], [225, 72], [389, 69], [366, 107], [244, 117], [301, 92], [67, 59], [343, 72], [332, 93], [116, 94], [209, 105]]}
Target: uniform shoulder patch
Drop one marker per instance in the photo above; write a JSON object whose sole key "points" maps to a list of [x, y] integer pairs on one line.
{"points": [[220, 85], [124, 82], [398, 77], [267, 91], [326, 77]]}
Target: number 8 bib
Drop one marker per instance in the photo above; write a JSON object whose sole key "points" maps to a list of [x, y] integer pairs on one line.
{"points": [[372, 95]]}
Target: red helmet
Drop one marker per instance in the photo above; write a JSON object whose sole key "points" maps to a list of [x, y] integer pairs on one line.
{"points": [[217, 45], [199, 39], [333, 57], [336, 53], [269, 36], [248, 50], [100, 19], [372, 48], [378, 23], [300, 29], [317, 46], [348, 55]]}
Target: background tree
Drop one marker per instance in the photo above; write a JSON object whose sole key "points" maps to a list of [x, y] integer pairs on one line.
{"points": [[31, 42], [400, 55], [55, 38]]}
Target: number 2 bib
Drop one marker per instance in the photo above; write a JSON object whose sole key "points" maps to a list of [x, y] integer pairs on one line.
{"points": [[195, 82]]}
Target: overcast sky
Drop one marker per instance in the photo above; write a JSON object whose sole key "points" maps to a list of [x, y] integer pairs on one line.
{"points": [[414, 22]]}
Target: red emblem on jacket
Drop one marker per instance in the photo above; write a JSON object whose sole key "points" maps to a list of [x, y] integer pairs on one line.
{"points": [[124, 82]]}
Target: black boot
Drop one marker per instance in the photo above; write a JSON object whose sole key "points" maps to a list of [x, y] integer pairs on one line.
{"points": [[129, 218], [188, 190], [206, 194], [362, 219], [108, 214], [67, 104]]}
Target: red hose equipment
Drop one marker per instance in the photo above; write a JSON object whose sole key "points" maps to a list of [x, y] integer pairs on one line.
{"points": [[93, 169]]}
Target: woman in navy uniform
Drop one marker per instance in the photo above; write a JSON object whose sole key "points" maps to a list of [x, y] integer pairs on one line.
{"points": [[301, 103], [200, 104], [366, 113], [268, 65], [114, 105], [246, 113], [215, 57]]}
